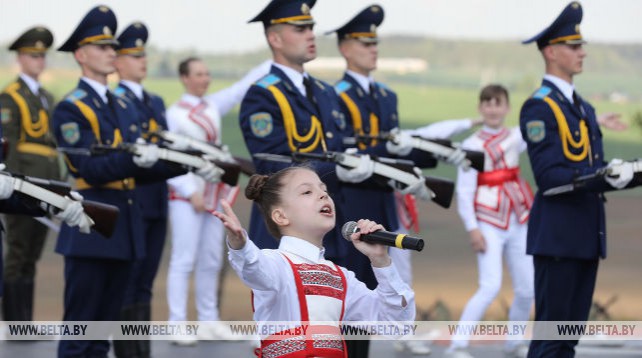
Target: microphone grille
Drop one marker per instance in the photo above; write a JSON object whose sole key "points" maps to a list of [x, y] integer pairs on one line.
{"points": [[348, 229]]}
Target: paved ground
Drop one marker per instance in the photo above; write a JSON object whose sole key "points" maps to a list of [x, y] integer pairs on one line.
{"points": [[379, 349]]}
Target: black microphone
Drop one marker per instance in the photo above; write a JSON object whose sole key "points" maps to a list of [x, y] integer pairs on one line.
{"points": [[401, 241]]}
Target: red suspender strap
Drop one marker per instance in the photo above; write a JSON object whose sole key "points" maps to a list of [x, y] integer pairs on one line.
{"points": [[303, 304]]}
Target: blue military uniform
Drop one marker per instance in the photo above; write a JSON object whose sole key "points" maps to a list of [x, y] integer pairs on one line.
{"points": [[97, 268], [276, 118], [152, 197], [566, 233], [369, 111]]}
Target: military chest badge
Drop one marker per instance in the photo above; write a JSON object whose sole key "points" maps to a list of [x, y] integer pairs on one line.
{"points": [[261, 124], [535, 131], [5, 115], [70, 132]]}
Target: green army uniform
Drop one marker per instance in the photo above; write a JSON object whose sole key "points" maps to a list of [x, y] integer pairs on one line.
{"points": [[31, 151]]}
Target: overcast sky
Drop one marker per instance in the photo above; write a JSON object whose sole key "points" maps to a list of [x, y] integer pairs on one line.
{"points": [[221, 26]]}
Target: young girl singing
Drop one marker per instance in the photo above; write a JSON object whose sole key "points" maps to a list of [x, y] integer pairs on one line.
{"points": [[295, 283]]}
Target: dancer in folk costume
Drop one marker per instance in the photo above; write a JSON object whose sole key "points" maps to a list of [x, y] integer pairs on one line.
{"points": [[197, 236], [494, 206]]}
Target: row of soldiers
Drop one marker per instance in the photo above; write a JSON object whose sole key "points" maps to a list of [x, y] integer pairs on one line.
{"points": [[285, 112]]}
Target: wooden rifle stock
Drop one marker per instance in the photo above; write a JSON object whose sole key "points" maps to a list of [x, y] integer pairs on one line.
{"points": [[246, 165], [103, 215], [443, 189], [232, 172]]}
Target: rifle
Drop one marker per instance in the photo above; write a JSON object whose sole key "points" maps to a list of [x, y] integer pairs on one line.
{"points": [[400, 171], [230, 177], [583, 180], [218, 153], [52, 193], [439, 148]]}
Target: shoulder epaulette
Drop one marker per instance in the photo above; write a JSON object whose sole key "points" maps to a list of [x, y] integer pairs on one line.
{"points": [[269, 80], [384, 86], [12, 87], [120, 91], [542, 92], [342, 86], [76, 95]]}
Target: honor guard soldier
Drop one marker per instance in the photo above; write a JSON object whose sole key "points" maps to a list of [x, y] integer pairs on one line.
{"points": [[131, 65], [97, 269], [288, 111], [566, 233], [370, 108], [25, 111]]}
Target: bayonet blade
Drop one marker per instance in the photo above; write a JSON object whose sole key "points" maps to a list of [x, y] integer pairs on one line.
{"points": [[74, 151], [560, 189], [273, 157]]}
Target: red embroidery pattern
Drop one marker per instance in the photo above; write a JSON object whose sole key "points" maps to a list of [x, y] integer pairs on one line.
{"points": [[283, 347], [330, 341], [320, 280]]}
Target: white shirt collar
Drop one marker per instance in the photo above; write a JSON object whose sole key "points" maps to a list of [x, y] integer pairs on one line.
{"points": [[492, 131], [32, 83], [137, 88], [100, 88], [302, 248], [192, 100], [363, 81], [295, 76], [565, 87]]}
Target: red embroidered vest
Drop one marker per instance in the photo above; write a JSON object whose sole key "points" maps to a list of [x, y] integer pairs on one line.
{"points": [[317, 340]]}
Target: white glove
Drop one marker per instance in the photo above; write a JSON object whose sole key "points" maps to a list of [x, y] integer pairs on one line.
{"points": [[418, 188], [210, 172], [146, 154], [358, 174], [179, 143], [74, 214], [620, 173], [6, 184], [456, 158], [402, 143]]}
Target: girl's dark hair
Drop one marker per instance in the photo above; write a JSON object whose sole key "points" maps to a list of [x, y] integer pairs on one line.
{"points": [[265, 191], [493, 91]]}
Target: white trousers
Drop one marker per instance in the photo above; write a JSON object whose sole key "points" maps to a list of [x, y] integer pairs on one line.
{"points": [[197, 246], [511, 244]]}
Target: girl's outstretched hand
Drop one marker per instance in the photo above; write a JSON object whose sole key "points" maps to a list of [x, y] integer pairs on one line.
{"points": [[235, 233]]}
